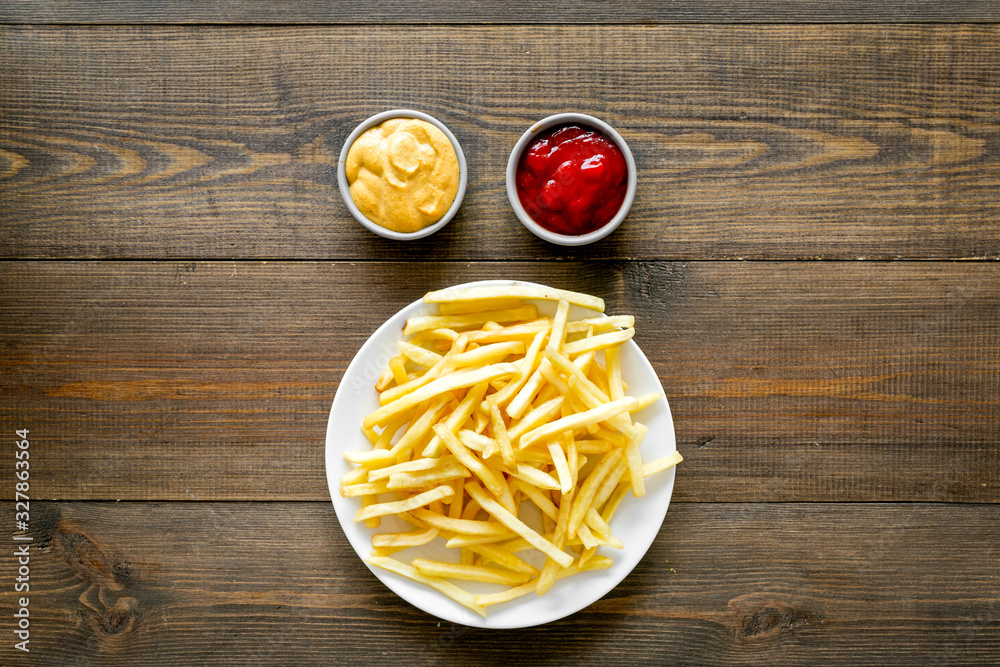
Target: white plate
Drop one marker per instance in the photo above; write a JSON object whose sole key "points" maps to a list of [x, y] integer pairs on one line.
{"points": [[636, 523]]}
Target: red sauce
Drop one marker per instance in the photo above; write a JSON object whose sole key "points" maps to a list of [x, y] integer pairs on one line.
{"points": [[572, 179]]}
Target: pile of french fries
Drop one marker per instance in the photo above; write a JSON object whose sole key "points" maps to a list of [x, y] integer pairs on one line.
{"points": [[487, 406]]}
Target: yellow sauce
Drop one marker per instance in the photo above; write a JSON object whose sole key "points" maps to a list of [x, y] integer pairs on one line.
{"points": [[403, 174]]}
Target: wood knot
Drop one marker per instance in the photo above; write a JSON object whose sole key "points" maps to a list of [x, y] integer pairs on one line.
{"points": [[90, 561], [117, 620], [758, 618], [771, 619]]}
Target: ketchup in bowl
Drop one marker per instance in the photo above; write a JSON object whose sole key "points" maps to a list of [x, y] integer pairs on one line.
{"points": [[572, 179]]}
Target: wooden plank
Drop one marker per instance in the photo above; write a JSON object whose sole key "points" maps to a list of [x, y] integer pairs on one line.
{"points": [[493, 11], [277, 583], [213, 380], [765, 142]]}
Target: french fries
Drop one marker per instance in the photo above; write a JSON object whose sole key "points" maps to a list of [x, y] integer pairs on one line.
{"points": [[489, 406]]}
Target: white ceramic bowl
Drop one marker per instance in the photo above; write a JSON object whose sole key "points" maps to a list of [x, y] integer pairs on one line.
{"points": [[515, 157], [345, 188]]}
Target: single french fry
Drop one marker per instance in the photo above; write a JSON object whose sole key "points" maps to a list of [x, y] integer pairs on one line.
{"points": [[398, 368], [416, 465], [558, 335], [598, 342], [535, 457], [364, 489], [613, 367], [469, 541], [668, 461], [561, 465], [451, 590], [511, 332], [442, 337], [384, 551], [477, 442], [586, 556], [490, 599], [646, 400], [522, 400], [413, 480], [535, 477], [494, 509], [572, 456], [460, 526], [424, 322], [478, 305], [588, 446], [397, 506], [413, 538], [514, 291], [418, 355], [487, 354], [471, 509], [506, 497], [634, 459], [586, 537], [385, 379], [436, 568], [599, 324], [370, 434], [492, 553], [457, 504], [500, 435], [356, 476]]}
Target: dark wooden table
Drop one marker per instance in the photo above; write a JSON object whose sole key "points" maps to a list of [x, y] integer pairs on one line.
{"points": [[812, 259]]}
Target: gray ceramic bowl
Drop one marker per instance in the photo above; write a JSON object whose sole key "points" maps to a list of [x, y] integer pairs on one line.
{"points": [[345, 189], [515, 156]]}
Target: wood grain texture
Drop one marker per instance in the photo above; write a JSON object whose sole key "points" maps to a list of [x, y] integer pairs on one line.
{"points": [[805, 381], [494, 11], [768, 142], [723, 584]]}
